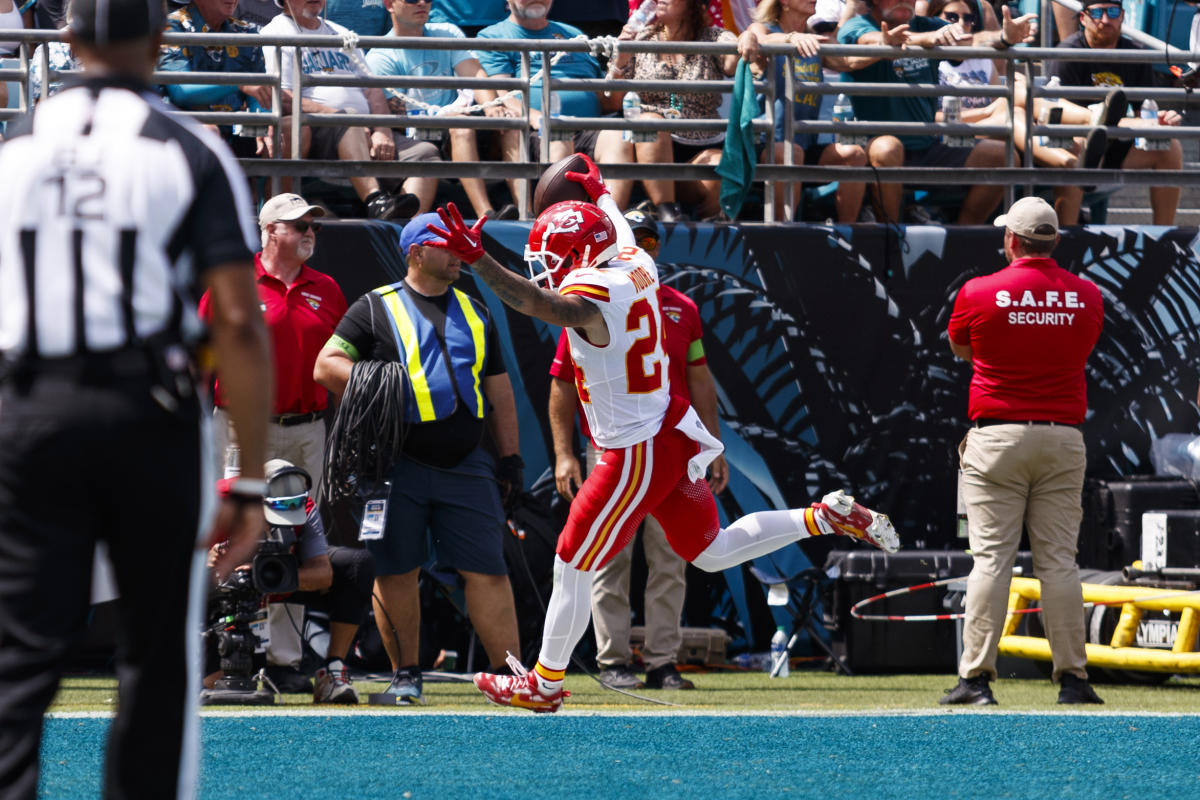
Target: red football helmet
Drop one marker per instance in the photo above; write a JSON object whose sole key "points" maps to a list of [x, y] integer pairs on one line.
{"points": [[566, 236]]}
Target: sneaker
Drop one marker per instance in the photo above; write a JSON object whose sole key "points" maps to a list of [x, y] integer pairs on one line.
{"points": [[1074, 689], [333, 685], [519, 690], [669, 212], [1112, 110], [667, 677], [1093, 148], [508, 211], [970, 692], [381, 205], [620, 677], [289, 680], [404, 690], [838, 513]]}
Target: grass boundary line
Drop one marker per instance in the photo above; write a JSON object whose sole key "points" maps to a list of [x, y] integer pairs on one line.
{"points": [[681, 712]]}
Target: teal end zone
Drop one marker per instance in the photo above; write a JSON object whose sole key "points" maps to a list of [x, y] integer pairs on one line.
{"points": [[960, 755]]}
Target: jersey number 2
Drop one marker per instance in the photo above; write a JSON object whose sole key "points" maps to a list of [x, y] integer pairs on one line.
{"points": [[640, 381]]}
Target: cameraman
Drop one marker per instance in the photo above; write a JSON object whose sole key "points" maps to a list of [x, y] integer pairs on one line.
{"points": [[336, 580]]}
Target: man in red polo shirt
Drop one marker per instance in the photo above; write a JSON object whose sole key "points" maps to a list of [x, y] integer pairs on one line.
{"points": [[301, 307], [1028, 331], [666, 578]]}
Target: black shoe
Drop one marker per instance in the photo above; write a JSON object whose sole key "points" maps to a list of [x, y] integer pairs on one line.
{"points": [[1094, 147], [289, 680], [381, 205], [670, 212], [1074, 689], [620, 677], [507, 211], [1115, 106], [970, 692], [667, 677]]}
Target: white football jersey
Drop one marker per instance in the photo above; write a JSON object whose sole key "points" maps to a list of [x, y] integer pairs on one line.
{"points": [[623, 386]]}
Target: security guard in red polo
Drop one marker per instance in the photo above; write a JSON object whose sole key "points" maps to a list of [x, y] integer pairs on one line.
{"points": [[1027, 330], [302, 307]]}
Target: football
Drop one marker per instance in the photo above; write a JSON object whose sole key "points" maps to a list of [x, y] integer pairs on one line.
{"points": [[553, 187]]}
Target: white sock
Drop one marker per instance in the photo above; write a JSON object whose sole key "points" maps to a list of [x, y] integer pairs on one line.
{"points": [[756, 535], [567, 617]]}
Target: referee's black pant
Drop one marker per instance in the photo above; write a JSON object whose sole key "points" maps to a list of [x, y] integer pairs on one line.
{"points": [[88, 455]]}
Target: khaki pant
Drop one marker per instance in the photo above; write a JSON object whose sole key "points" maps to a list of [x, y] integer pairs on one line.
{"points": [[1031, 475], [302, 445], [666, 585]]}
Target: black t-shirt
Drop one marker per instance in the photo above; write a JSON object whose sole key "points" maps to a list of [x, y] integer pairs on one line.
{"points": [[1102, 73], [367, 327]]}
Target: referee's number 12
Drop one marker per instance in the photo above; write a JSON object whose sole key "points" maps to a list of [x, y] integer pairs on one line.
{"points": [[80, 193]]}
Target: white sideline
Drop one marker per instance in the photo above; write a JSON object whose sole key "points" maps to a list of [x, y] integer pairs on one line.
{"points": [[366, 711]]}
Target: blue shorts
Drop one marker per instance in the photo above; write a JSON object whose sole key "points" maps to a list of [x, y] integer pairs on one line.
{"points": [[457, 511]]}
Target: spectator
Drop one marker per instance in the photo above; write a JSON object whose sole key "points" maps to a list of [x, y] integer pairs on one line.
{"points": [[215, 16], [260, 12], [666, 582], [892, 23], [364, 17], [527, 20], [786, 22], [984, 111], [443, 484], [471, 16], [60, 58], [348, 143], [676, 21], [336, 580], [1101, 30], [13, 18], [301, 307], [411, 19]]}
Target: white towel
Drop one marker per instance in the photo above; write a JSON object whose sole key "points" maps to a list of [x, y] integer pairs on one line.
{"points": [[710, 446]]}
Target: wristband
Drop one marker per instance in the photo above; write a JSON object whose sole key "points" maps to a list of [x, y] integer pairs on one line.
{"points": [[1004, 43]]}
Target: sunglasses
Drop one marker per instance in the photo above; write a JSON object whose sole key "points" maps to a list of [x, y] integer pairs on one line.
{"points": [[1112, 12], [303, 226], [646, 241], [293, 503], [968, 19]]}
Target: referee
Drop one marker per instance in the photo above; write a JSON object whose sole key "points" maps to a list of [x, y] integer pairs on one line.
{"points": [[114, 218]]}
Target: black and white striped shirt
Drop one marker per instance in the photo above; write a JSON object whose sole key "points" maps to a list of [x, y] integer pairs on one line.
{"points": [[111, 210]]}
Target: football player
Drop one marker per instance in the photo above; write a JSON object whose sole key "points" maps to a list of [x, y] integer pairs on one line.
{"points": [[591, 278]]}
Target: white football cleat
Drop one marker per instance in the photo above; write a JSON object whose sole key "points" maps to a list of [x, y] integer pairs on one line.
{"points": [[839, 513]]}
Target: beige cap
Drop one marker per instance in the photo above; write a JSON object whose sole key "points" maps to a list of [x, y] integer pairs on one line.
{"points": [[285, 208], [1032, 218]]}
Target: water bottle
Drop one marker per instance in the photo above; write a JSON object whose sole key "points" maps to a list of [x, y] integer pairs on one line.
{"points": [[962, 530], [779, 654], [631, 108], [557, 132], [233, 461], [951, 113], [760, 662], [1150, 117], [643, 16], [843, 111]]}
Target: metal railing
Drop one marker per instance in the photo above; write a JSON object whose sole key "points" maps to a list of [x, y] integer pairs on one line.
{"points": [[529, 168]]}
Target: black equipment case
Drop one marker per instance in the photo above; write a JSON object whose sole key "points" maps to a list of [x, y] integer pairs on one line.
{"points": [[1110, 536]]}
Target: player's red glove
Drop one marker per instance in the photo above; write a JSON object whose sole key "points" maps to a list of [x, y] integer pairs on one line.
{"points": [[464, 242], [591, 181]]}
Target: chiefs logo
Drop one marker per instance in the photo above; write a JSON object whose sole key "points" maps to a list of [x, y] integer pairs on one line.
{"points": [[566, 222]]}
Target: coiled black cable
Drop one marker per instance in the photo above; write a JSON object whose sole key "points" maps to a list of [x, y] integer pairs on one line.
{"points": [[368, 431]]}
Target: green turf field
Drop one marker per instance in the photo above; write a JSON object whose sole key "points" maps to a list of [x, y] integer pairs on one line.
{"points": [[727, 691]]}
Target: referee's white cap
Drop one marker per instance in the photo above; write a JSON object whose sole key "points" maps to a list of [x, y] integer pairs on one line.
{"points": [[103, 21]]}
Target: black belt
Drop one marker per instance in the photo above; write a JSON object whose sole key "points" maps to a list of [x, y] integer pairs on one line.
{"points": [[987, 423], [288, 420]]}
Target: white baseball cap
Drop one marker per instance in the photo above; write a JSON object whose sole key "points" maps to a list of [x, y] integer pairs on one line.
{"points": [[286, 501], [286, 208], [1032, 218]]}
